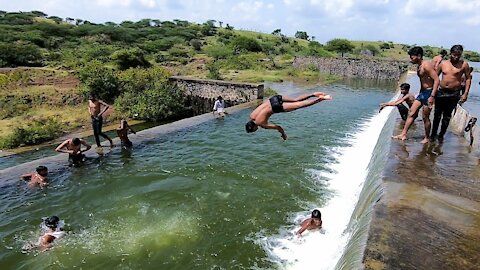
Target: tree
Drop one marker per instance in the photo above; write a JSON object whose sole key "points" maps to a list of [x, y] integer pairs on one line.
{"points": [[372, 48], [277, 32], [384, 46], [99, 81], [243, 43], [130, 58], [196, 44], [301, 35], [340, 45], [220, 23]]}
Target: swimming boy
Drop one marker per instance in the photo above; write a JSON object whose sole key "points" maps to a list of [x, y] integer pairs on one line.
{"points": [[122, 132], [73, 148], [277, 104], [37, 178], [315, 222], [54, 231]]}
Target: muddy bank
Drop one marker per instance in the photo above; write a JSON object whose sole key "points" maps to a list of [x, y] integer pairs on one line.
{"points": [[429, 215]]}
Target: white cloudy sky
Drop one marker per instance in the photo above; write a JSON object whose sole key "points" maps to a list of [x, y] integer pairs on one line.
{"points": [[433, 22]]}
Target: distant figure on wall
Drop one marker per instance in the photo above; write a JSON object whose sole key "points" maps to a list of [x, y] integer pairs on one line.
{"points": [[219, 107], [438, 59], [428, 86], [449, 93], [406, 97], [277, 104]]}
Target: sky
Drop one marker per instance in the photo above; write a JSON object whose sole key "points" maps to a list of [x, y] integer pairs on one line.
{"points": [[440, 23]]}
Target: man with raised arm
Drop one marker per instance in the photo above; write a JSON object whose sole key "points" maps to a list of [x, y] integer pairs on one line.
{"points": [[277, 104], [428, 86], [449, 93]]}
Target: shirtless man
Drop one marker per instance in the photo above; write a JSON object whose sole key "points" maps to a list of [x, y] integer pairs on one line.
{"points": [[315, 222], [38, 178], [406, 97], [73, 148], [438, 59], [428, 86], [122, 132], [278, 104], [94, 106], [449, 93]]}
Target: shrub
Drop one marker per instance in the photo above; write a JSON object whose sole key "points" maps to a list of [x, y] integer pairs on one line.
{"points": [[243, 43], [196, 44], [149, 95], [218, 52], [99, 81], [37, 131], [213, 71], [129, 58]]}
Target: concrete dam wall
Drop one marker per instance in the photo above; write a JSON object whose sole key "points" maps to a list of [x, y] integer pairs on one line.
{"points": [[203, 93], [354, 68]]}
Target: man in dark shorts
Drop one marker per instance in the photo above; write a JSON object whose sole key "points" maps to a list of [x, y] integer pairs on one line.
{"points": [[449, 93], [428, 85], [278, 104], [73, 148], [406, 97]]}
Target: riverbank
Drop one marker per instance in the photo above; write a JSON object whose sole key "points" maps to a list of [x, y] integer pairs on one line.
{"points": [[429, 215]]}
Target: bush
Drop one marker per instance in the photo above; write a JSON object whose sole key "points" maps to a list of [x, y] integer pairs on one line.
{"points": [[38, 131], [196, 44], [218, 52], [130, 58], [243, 43], [99, 81], [148, 94], [213, 71]]}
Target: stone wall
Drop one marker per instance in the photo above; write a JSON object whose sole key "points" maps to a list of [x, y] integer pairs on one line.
{"points": [[203, 93], [354, 68]]}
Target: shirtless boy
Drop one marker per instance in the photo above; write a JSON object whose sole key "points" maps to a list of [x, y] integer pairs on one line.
{"points": [[315, 222], [406, 97], [73, 148], [428, 86], [122, 132], [94, 108], [37, 178], [450, 91], [278, 104]]}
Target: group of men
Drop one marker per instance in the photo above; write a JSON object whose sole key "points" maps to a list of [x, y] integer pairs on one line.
{"points": [[442, 94]]}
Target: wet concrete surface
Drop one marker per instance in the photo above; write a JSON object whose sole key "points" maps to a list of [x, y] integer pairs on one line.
{"points": [[429, 215]]}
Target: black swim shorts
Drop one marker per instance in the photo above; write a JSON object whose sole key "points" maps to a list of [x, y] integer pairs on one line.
{"points": [[277, 104]]}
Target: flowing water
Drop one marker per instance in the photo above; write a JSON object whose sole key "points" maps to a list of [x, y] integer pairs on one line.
{"points": [[211, 196]]}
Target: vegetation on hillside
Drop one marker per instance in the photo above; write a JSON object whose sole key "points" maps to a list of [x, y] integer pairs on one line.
{"points": [[128, 65]]}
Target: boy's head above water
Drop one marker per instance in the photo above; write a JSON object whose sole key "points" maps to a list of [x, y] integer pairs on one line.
{"points": [[52, 222], [42, 170]]}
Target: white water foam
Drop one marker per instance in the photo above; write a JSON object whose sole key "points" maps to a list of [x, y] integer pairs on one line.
{"points": [[323, 248]]}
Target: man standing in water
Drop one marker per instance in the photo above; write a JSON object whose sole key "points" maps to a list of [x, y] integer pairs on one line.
{"points": [[406, 97], [428, 86], [278, 104], [73, 148], [438, 59], [449, 93], [94, 107]]}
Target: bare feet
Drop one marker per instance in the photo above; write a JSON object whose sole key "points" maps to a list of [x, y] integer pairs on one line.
{"points": [[322, 95], [425, 140], [400, 137]]}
